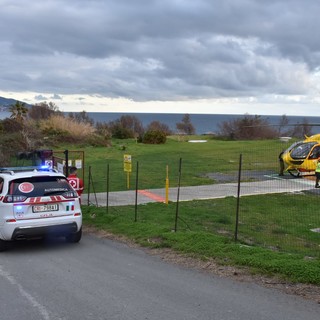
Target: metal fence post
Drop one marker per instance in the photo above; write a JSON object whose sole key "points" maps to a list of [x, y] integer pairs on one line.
{"points": [[66, 153], [89, 184], [136, 200], [178, 196], [238, 200], [107, 201]]}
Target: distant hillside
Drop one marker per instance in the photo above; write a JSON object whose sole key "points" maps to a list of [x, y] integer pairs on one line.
{"points": [[6, 103]]}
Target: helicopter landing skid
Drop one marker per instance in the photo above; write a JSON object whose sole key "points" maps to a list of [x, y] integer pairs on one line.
{"points": [[295, 173], [298, 174]]}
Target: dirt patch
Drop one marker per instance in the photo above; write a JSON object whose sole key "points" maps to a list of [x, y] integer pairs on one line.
{"points": [[307, 291]]}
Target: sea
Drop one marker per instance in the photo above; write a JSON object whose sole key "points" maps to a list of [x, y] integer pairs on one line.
{"points": [[203, 123]]}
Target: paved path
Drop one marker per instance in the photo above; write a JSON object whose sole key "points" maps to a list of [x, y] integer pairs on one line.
{"points": [[271, 184]]}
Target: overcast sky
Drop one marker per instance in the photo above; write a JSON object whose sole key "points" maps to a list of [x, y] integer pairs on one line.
{"points": [[183, 56]]}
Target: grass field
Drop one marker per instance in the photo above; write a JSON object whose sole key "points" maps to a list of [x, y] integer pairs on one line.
{"points": [[198, 159]]}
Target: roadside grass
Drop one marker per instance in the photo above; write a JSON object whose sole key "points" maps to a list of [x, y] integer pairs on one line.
{"points": [[271, 240]]}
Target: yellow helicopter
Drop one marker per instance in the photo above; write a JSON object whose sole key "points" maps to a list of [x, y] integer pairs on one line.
{"points": [[301, 157]]}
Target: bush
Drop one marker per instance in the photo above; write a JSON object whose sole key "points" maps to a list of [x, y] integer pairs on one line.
{"points": [[158, 126], [154, 137], [4, 159], [126, 127], [102, 129], [96, 140], [68, 130], [10, 144], [43, 110], [247, 128], [11, 125], [120, 132]]}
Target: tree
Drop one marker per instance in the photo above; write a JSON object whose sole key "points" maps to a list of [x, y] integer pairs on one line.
{"points": [[18, 111], [247, 128], [158, 126], [9, 125], [185, 126], [81, 117], [284, 121], [126, 127], [43, 110], [301, 130], [103, 129]]}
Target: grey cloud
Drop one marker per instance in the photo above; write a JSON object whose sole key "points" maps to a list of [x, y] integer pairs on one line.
{"points": [[40, 97], [55, 97], [158, 49]]}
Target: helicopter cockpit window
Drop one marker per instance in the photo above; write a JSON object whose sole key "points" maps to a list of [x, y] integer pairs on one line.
{"points": [[315, 153], [293, 145], [302, 151]]}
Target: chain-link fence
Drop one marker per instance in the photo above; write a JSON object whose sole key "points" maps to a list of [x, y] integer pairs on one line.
{"points": [[243, 198]]}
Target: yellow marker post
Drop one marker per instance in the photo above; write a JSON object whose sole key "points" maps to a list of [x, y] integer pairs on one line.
{"points": [[127, 167], [167, 185], [128, 180]]}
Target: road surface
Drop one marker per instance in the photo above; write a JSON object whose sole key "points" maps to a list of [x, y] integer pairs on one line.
{"points": [[102, 279]]}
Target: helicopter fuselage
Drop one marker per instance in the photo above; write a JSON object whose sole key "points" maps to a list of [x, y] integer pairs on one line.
{"points": [[302, 156]]}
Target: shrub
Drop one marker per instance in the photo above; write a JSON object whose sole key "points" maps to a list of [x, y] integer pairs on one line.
{"points": [[81, 117], [126, 127], [154, 137], [10, 145], [11, 125], [120, 132], [67, 129], [43, 110], [158, 126], [4, 158], [247, 128], [96, 140], [103, 130]]}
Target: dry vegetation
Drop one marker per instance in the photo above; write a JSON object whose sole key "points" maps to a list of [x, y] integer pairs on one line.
{"points": [[43, 126], [62, 125]]}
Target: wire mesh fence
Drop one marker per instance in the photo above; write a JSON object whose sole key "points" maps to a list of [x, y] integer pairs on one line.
{"points": [[242, 198]]}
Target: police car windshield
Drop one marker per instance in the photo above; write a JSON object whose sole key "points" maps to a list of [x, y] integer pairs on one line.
{"points": [[39, 186]]}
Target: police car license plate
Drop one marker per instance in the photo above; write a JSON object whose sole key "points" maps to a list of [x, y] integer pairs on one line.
{"points": [[45, 208]]}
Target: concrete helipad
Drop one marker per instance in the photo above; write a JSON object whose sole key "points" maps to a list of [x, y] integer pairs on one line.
{"points": [[272, 184]]}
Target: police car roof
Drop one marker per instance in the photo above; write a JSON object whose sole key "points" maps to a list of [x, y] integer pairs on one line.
{"points": [[27, 169]]}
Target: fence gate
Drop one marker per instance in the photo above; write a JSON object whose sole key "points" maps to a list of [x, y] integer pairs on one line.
{"points": [[63, 160]]}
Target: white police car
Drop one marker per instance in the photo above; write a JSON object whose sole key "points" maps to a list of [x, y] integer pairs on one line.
{"points": [[37, 202]]}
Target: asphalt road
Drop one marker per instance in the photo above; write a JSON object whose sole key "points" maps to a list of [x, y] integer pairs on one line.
{"points": [[102, 279]]}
